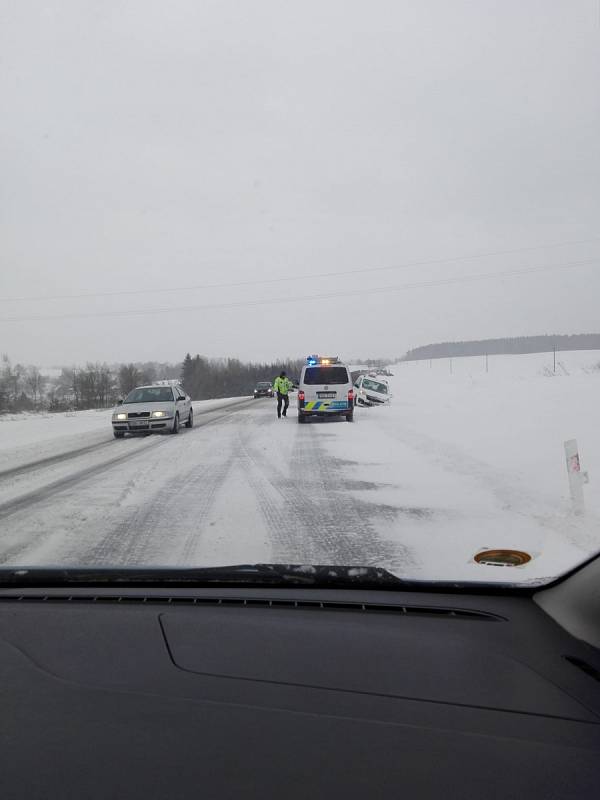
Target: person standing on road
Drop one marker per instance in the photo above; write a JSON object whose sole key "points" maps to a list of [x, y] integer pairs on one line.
{"points": [[282, 386]]}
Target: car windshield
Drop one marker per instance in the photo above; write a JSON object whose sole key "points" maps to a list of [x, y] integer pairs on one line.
{"points": [[150, 394], [375, 386], [393, 203], [332, 376]]}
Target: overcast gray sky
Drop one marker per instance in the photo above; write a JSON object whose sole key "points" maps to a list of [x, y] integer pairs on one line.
{"points": [[155, 147]]}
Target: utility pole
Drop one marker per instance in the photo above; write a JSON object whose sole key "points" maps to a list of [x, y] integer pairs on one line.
{"points": [[486, 362], [554, 351]]}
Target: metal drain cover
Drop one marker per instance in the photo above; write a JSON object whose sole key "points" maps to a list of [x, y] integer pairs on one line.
{"points": [[503, 558]]}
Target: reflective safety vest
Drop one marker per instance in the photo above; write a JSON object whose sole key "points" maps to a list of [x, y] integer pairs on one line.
{"points": [[282, 385]]}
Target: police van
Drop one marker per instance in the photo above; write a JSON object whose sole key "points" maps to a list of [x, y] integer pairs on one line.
{"points": [[325, 389]]}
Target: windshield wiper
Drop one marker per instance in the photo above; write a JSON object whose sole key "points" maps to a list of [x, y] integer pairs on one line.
{"points": [[329, 576]]}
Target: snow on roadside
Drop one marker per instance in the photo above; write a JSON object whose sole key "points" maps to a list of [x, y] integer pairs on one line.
{"points": [[516, 418], [20, 430], [470, 460]]}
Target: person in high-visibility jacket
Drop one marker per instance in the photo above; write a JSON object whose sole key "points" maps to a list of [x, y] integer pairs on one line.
{"points": [[282, 386]]}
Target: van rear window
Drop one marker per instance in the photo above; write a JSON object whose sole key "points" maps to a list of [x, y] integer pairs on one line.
{"points": [[326, 375]]}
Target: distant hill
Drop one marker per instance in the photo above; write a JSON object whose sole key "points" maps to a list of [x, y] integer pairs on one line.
{"points": [[517, 345]]}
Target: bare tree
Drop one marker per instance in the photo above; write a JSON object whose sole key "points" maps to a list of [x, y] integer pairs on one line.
{"points": [[94, 386], [147, 374], [11, 382], [105, 385], [129, 378], [12, 378], [34, 381]]}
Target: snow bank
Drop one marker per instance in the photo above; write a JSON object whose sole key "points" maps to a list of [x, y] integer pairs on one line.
{"points": [[471, 460]]}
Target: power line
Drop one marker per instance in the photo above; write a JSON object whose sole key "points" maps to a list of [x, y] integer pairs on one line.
{"points": [[307, 298], [288, 278]]}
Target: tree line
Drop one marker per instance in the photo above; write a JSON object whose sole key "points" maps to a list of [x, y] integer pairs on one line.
{"points": [[205, 378], [100, 385], [507, 346], [96, 385]]}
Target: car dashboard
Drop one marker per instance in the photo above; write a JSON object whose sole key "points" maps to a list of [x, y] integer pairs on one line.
{"points": [[293, 693]]}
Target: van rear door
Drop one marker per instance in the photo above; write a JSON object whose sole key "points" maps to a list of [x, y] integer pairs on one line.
{"points": [[326, 387]]}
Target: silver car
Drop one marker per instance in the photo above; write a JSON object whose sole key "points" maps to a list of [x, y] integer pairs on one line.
{"points": [[153, 409]]}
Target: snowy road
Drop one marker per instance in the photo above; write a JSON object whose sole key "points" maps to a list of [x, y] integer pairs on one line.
{"points": [[240, 486], [456, 464]]}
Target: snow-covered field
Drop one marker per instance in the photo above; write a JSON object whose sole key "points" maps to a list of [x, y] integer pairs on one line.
{"points": [[462, 460], [482, 455]]}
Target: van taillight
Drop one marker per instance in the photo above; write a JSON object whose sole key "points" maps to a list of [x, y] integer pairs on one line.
{"points": [[301, 396], [351, 395]]}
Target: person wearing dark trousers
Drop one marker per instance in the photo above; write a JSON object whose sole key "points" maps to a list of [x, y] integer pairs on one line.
{"points": [[282, 386]]}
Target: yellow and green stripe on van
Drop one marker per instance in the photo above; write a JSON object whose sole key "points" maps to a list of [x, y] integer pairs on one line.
{"points": [[325, 405]]}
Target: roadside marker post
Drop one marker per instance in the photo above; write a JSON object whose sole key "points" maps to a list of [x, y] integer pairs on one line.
{"points": [[577, 477]]}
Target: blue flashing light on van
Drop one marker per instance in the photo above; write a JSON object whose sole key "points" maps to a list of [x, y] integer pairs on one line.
{"points": [[312, 361]]}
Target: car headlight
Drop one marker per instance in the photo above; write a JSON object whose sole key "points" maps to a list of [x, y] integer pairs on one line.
{"points": [[159, 414], [120, 415]]}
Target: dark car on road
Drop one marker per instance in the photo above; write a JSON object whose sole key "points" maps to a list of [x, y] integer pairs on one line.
{"points": [[263, 389]]}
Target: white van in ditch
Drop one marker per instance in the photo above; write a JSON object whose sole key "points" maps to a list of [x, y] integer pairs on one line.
{"points": [[369, 390], [325, 389]]}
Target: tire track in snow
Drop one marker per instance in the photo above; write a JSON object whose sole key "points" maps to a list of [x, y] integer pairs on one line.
{"points": [[48, 461], [310, 515], [323, 476], [152, 534], [26, 500], [212, 415], [72, 530], [167, 529], [283, 527]]}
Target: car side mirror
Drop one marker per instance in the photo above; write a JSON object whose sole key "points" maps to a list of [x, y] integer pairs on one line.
{"points": [[120, 401]]}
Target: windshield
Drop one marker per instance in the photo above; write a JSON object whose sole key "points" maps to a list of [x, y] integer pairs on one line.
{"points": [[200, 195], [375, 386], [150, 394], [332, 376]]}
